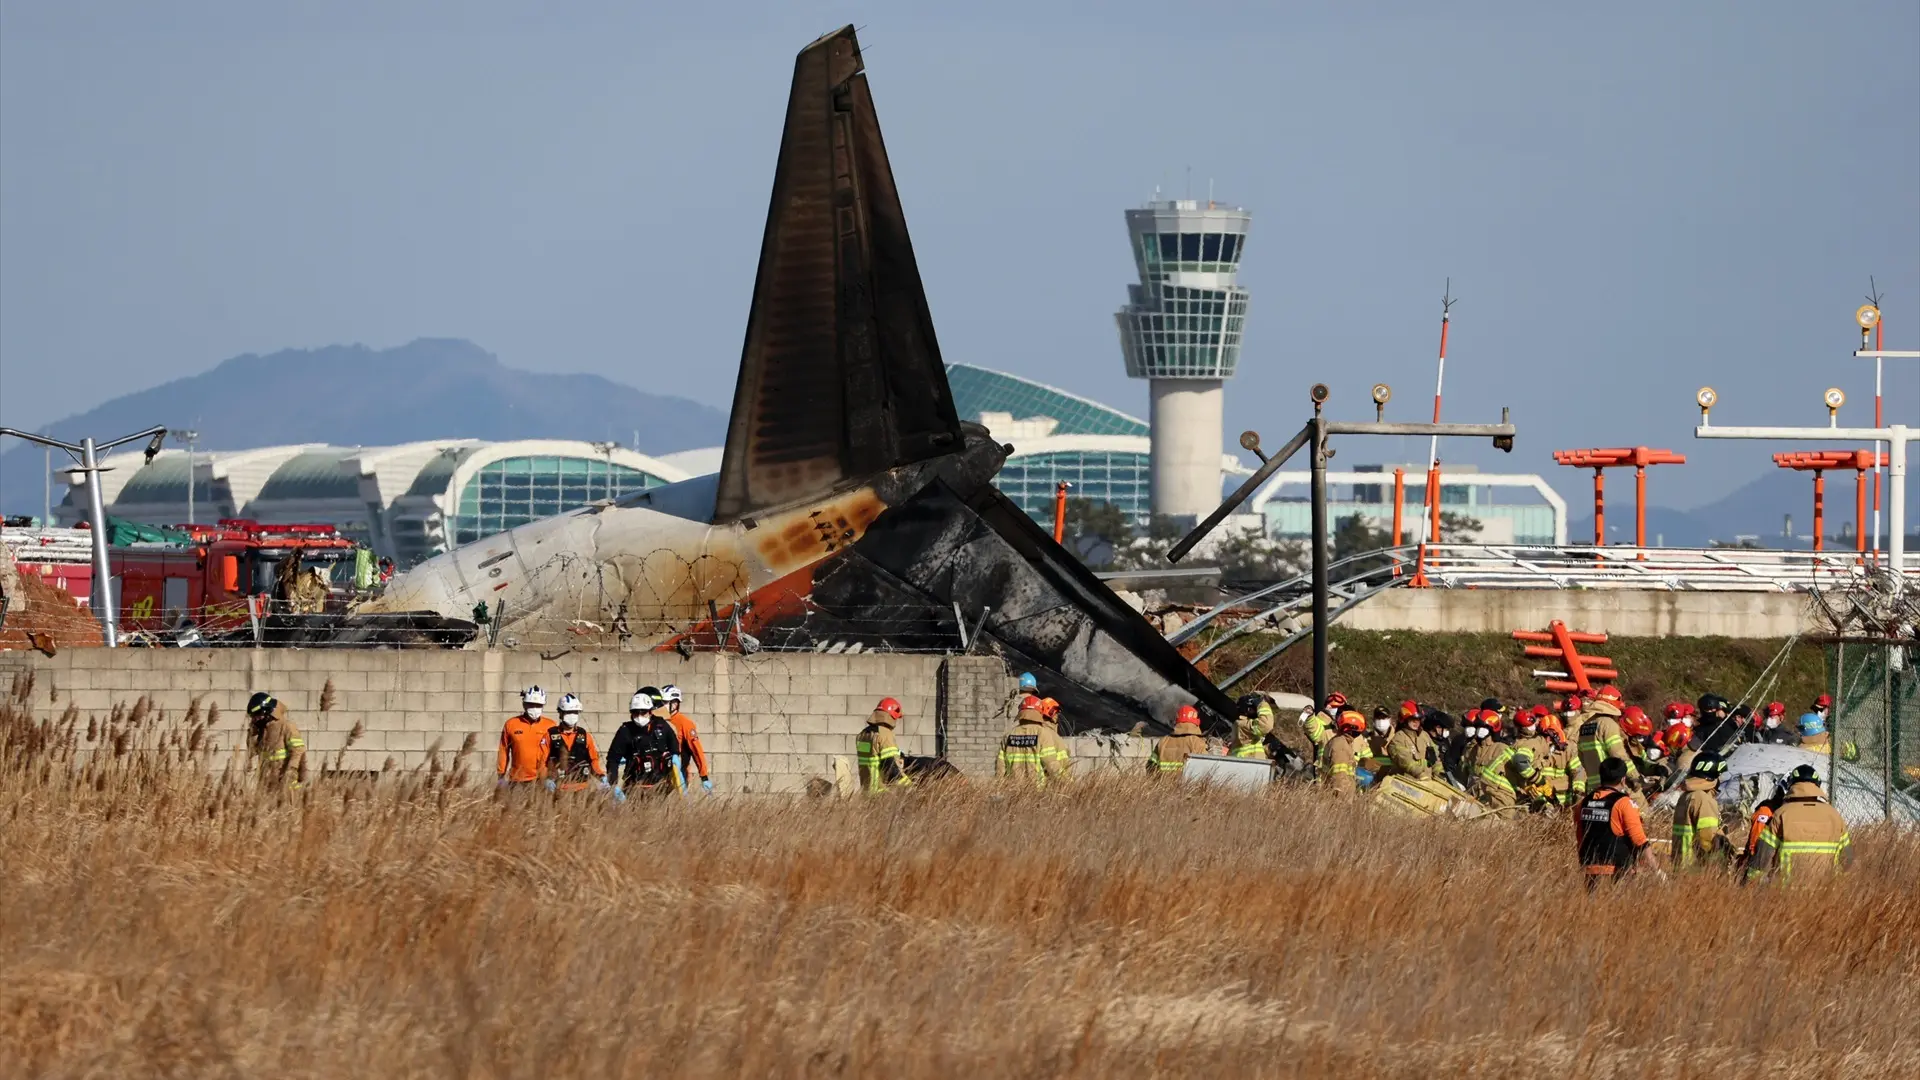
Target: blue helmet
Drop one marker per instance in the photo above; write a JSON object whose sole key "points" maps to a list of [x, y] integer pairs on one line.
{"points": [[1028, 682], [1812, 724]]}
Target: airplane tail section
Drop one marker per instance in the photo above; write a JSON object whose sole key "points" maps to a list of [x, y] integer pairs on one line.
{"points": [[840, 377]]}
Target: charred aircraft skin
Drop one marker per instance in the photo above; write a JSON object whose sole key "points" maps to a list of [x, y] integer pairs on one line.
{"points": [[852, 506]]}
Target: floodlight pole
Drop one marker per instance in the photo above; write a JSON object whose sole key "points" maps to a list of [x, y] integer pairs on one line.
{"points": [[86, 454], [1315, 433], [1896, 436]]}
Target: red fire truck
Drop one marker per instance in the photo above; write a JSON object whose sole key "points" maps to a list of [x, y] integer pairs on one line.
{"points": [[216, 576]]}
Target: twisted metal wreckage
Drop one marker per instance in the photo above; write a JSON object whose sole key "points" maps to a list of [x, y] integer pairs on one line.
{"points": [[852, 507]]}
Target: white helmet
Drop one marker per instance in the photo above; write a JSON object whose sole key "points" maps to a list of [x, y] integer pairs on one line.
{"points": [[569, 704], [640, 703], [670, 692], [533, 695]]}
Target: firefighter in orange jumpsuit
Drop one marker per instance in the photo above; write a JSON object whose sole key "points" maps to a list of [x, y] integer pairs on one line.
{"points": [[572, 759], [525, 742], [696, 755]]}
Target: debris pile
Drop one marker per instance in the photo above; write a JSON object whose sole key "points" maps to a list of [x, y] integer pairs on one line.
{"points": [[40, 616]]}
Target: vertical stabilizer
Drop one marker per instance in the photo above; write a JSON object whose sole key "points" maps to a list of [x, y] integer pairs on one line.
{"points": [[840, 377]]}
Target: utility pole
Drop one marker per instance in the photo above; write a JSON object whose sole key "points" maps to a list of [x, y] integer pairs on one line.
{"points": [[191, 437], [87, 456], [1315, 433]]}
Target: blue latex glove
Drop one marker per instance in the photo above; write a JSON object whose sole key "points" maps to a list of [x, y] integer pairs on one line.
{"points": [[551, 786], [619, 795], [706, 785], [501, 783]]}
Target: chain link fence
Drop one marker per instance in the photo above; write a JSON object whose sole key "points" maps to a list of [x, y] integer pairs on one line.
{"points": [[1875, 725]]}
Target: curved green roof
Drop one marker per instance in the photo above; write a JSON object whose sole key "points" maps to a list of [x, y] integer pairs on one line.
{"points": [[977, 390], [435, 475], [314, 474], [162, 480]]}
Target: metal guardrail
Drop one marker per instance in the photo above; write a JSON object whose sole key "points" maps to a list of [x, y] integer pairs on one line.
{"points": [[1476, 566]]}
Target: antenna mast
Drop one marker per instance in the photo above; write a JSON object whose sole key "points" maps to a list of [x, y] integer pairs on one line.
{"points": [[1433, 448]]}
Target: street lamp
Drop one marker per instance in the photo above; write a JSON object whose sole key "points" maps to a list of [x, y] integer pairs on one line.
{"points": [[86, 456], [190, 437], [1316, 432]]}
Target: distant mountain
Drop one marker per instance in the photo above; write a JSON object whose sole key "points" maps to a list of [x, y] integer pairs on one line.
{"points": [[351, 395], [1758, 508]]}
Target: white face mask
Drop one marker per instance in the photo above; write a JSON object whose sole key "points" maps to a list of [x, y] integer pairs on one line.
{"points": [[1653, 753], [569, 718], [533, 712], [1773, 721], [1442, 733], [1383, 725], [1481, 733]]}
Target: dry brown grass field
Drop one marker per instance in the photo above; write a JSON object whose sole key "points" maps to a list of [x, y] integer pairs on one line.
{"points": [[164, 918]]}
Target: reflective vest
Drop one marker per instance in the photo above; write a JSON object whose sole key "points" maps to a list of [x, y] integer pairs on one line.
{"points": [[1599, 846], [1696, 818], [872, 749], [1027, 752]]}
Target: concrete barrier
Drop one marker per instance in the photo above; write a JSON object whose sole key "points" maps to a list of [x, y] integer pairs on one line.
{"points": [[1627, 612], [769, 722]]}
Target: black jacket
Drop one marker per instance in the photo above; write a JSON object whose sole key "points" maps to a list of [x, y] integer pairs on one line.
{"points": [[643, 753]]}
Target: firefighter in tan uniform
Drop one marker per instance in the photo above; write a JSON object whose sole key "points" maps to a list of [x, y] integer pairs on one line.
{"points": [[1599, 737], [1170, 754], [1251, 727], [1034, 751], [1345, 754], [1698, 841], [1806, 838], [1319, 726], [276, 741], [1411, 752], [1488, 777], [882, 766], [1538, 769]]}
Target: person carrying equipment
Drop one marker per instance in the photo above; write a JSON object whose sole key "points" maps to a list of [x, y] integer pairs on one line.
{"points": [[1033, 750], [1813, 726], [524, 741], [1346, 754], [689, 738], [1806, 835], [882, 766], [1252, 723], [1698, 841], [1607, 831], [1170, 754], [1411, 751], [572, 759], [644, 758], [276, 741]]}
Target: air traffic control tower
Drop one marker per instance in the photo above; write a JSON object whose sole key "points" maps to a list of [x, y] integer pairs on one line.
{"points": [[1181, 331]]}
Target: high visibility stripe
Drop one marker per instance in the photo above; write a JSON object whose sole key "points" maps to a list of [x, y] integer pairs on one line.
{"points": [[1250, 750]]}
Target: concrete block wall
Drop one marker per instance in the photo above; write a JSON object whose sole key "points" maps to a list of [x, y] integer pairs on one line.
{"points": [[1627, 612], [769, 722]]}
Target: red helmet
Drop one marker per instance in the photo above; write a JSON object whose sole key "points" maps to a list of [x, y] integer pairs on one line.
{"points": [[1031, 701], [1776, 708], [1409, 710], [1551, 725], [1824, 701], [1350, 722], [1526, 718], [1049, 708], [890, 706], [1634, 721], [1187, 715], [1675, 710], [1675, 737], [1336, 700], [1610, 693], [1572, 703]]}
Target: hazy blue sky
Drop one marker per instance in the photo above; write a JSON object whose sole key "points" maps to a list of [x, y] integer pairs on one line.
{"points": [[1632, 199]]}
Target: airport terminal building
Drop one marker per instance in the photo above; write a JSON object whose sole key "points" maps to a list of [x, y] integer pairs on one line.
{"points": [[412, 501]]}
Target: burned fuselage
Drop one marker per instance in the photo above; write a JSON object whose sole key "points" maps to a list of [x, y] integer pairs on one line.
{"points": [[852, 507]]}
